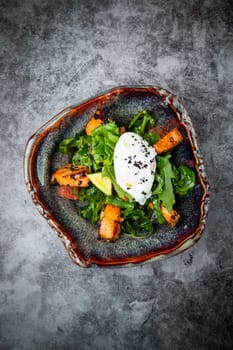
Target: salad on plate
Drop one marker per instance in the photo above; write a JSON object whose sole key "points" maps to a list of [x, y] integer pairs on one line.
{"points": [[124, 177]]}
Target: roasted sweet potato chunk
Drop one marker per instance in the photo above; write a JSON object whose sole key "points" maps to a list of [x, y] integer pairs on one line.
{"points": [[172, 217], [71, 175], [169, 141], [110, 226], [92, 125]]}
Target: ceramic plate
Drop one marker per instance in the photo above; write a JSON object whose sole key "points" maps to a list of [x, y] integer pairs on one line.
{"points": [[79, 236]]}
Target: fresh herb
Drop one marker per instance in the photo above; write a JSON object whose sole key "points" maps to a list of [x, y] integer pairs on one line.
{"points": [[104, 139], [140, 122], [164, 167], [157, 209], [67, 144], [151, 137], [184, 180], [93, 203], [93, 151], [137, 222], [120, 203]]}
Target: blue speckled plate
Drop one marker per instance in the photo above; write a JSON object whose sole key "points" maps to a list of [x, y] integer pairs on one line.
{"points": [[79, 236]]}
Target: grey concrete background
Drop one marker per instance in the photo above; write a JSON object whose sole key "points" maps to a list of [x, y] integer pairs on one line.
{"points": [[54, 54]]}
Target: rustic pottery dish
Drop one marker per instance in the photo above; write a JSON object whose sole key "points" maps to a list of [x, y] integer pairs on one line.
{"points": [[79, 236]]}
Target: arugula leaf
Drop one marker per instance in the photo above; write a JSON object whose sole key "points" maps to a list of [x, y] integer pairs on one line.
{"points": [[158, 184], [165, 170]]}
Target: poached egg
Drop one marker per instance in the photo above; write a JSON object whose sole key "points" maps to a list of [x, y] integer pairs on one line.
{"points": [[134, 166]]}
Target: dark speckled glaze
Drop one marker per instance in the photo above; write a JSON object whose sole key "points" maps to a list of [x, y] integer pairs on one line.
{"points": [[79, 237]]}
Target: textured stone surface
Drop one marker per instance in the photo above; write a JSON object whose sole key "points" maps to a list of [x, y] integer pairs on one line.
{"points": [[54, 54]]}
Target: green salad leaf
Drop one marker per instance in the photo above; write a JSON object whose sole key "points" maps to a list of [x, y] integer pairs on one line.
{"points": [[184, 180], [158, 184], [93, 203], [104, 139], [137, 223], [93, 151], [67, 144], [157, 210], [164, 168], [83, 155], [140, 122], [151, 137], [120, 203]]}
